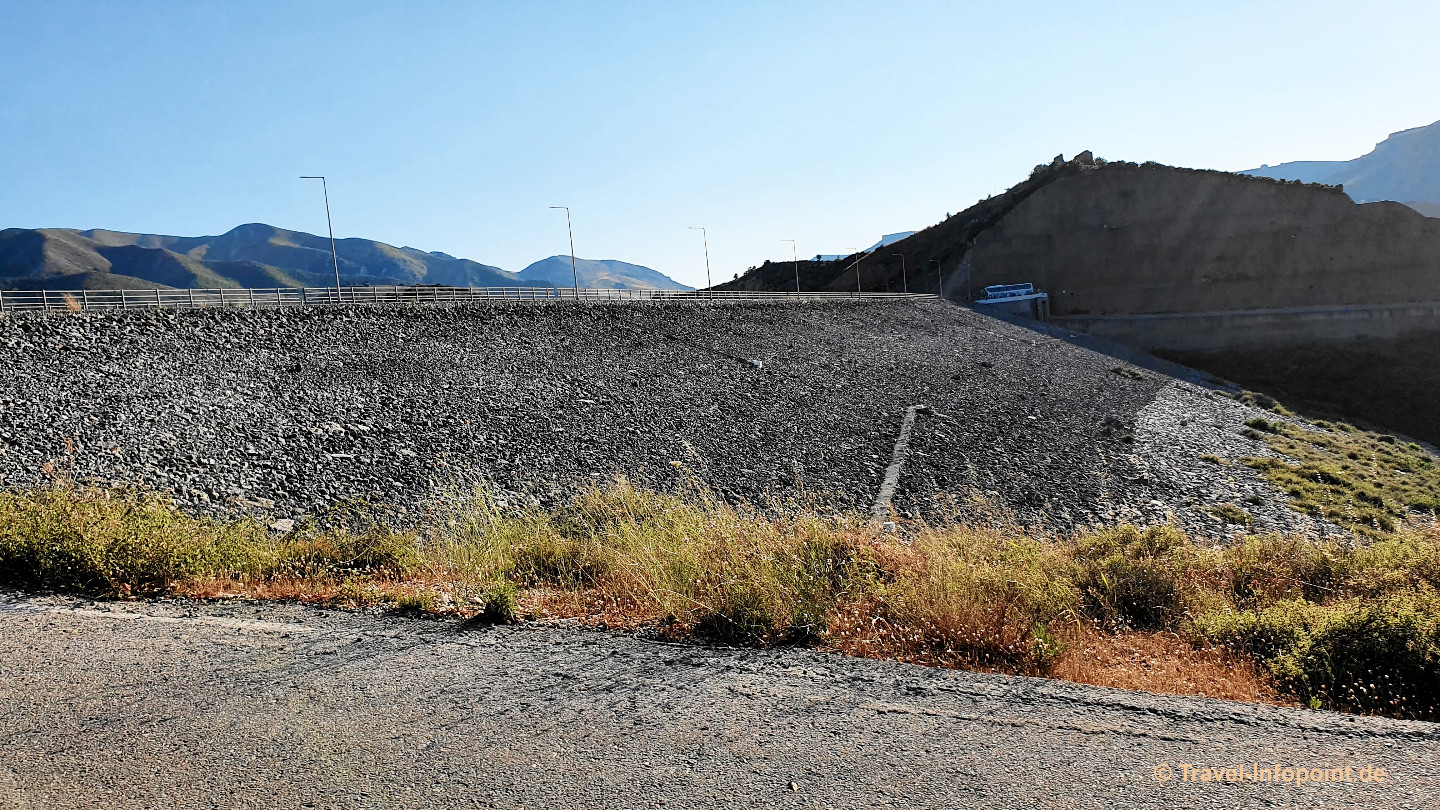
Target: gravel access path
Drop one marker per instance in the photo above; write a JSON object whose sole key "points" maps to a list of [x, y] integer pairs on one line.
{"points": [[191, 705], [283, 413]]}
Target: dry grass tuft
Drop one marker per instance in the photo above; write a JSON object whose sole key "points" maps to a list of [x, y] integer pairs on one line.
{"points": [[1160, 662]]}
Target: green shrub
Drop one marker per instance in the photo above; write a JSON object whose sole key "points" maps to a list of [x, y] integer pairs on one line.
{"points": [[1230, 513], [742, 614], [1273, 568], [422, 602], [1369, 657], [1130, 577], [501, 605], [104, 542], [571, 561]]}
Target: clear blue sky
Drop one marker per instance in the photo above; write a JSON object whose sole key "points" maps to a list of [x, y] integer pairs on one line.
{"points": [[451, 126]]}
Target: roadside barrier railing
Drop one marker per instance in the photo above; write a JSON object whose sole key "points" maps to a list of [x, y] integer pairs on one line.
{"points": [[242, 298]]}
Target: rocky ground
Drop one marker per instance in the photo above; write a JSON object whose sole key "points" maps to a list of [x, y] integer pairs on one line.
{"points": [[189, 705], [284, 413]]}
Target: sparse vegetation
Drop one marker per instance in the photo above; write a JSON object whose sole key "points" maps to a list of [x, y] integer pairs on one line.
{"points": [[1230, 513], [1262, 401], [1368, 482], [1327, 624]]}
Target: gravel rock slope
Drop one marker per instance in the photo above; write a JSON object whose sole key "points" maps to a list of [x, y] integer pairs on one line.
{"points": [[188, 705], [285, 412]]}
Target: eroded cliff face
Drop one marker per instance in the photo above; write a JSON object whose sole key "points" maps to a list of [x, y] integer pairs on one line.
{"points": [[1123, 239]]}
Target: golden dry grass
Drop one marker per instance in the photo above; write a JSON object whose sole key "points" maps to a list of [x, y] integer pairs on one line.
{"points": [[1269, 619]]}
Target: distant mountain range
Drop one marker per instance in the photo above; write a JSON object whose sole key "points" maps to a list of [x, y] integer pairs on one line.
{"points": [[254, 256], [597, 273], [1404, 167]]}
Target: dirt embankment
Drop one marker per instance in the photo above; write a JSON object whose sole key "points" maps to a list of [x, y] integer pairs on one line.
{"points": [[1121, 238], [1126, 239], [929, 255], [1118, 239]]}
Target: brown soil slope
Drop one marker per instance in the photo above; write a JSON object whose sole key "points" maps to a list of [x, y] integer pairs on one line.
{"points": [[928, 255], [1122, 238]]}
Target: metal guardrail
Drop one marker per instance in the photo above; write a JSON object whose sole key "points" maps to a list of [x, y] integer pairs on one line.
{"points": [[88, 300]]}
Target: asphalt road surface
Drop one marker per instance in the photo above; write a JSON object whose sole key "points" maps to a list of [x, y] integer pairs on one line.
{"points": [[178, 704]]}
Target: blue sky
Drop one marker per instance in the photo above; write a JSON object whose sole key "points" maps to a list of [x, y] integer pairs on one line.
{"points": [[452, 126]]}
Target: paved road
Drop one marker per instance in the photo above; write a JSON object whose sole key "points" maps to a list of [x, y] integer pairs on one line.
{"points": [[183, 705]]}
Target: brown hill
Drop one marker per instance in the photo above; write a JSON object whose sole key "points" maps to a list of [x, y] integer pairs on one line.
{"points": [[929, 255], [1121, 238], [1125, 239], [248, 256]]}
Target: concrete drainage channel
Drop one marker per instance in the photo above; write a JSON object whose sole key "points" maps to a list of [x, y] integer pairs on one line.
{"points": [[272, 298], [880, 510]]}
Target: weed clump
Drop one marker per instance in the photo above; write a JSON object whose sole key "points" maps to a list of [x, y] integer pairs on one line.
{"points": [[107, 542], [1130, 578], [1370, 658], [1230, 513], [1262, 401]]}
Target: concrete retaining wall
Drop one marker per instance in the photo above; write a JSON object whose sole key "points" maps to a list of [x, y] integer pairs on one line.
{"points": [[1259, 328]]}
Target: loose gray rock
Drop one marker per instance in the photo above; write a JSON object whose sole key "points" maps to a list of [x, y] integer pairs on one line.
{"points": [[289, 413]]}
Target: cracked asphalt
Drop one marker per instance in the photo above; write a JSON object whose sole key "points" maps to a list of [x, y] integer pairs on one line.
{"points": [[241, 705]]}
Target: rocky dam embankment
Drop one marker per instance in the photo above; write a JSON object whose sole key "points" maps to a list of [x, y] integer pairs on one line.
{"points": [[285, 413]]}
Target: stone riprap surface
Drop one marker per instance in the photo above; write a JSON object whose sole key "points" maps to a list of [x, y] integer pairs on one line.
{"points": [[192, 705], [287, 412]]}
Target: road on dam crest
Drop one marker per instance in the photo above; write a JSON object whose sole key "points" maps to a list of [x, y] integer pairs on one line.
{"points": [[183, 704]]}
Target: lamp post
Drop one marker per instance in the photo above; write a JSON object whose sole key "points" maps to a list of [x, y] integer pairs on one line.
{"points": [[904, 278], [705, 237], [574, 270], [859, 254], [795, 258], [334, 257]]}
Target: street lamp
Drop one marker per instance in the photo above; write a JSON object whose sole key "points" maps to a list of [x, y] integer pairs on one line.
{"points": [[706, 238], [575, 272], [904, 279], [859, 254], [794, 257], [334, 257]]}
